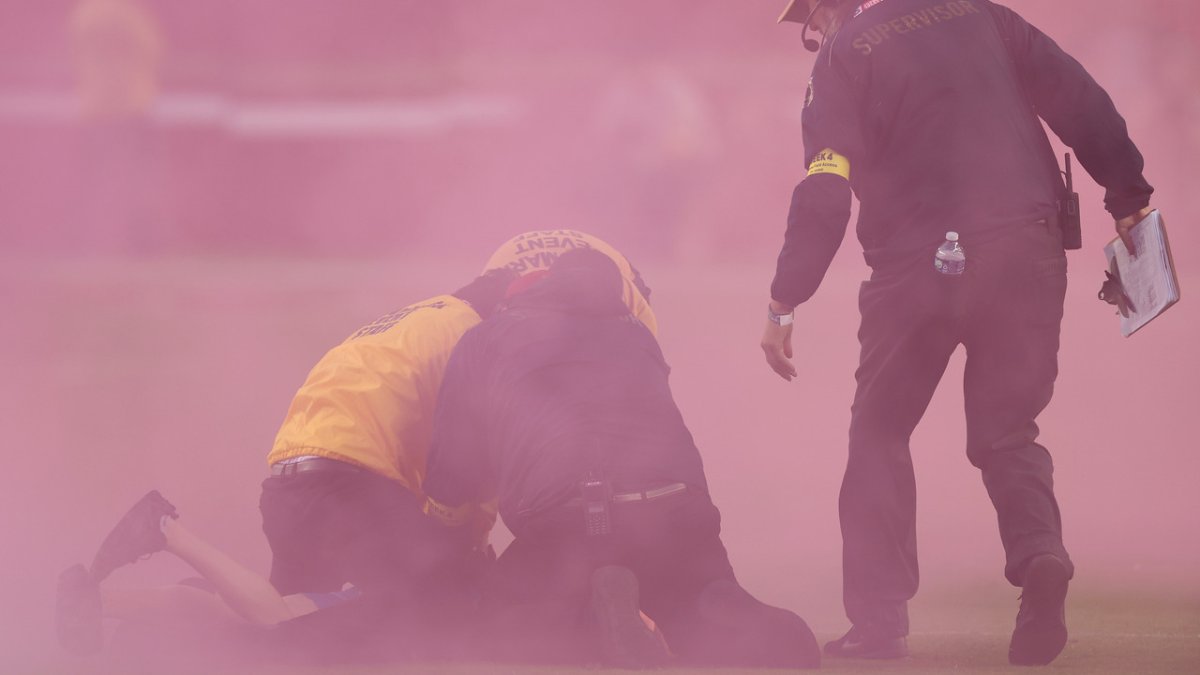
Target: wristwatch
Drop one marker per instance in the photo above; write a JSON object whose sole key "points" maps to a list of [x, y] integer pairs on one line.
{"points": [[781, 319]]}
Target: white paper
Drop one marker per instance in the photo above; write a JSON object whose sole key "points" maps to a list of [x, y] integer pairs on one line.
{"points": [[1149, 278]]}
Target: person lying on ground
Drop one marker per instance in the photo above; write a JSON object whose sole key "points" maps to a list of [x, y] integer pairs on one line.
{"points": [[227, 594]]}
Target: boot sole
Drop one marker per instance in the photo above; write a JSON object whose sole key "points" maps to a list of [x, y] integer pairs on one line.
{"points": [[882, 650], [134, 536], [1039, 641], [627, 641]]}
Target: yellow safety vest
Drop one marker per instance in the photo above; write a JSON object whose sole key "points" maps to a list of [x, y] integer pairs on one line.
{"points": [[369, 401]]}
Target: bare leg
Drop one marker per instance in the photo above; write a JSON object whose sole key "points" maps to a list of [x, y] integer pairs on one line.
{"points": [[247, 594], [167, 603], [150, 526]]}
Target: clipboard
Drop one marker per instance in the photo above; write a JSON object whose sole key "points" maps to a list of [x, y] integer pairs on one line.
{"points": [[1142, 286]]}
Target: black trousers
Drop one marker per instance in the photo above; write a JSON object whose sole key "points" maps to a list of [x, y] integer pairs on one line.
{"points": [[1006, 310], [327, 528], [539, 598], [418, 578]]}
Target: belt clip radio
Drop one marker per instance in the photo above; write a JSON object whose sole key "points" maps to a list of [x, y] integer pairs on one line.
{"points": [[597, 504], [1068, 213]]}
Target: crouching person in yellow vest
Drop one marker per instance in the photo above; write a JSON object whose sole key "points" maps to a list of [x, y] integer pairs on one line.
{"points": [[343, 502]]}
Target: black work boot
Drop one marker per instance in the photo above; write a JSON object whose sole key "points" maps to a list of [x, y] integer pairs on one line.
{"points": [[77, 617], [861, 643], [626, 640], [138, 533], [1041, 631]]}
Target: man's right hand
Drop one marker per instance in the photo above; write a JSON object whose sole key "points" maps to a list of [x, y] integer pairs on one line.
{"points": [[1124, 225]]}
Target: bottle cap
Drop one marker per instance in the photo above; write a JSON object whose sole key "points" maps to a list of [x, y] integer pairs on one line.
{"points": [[951, 236]]}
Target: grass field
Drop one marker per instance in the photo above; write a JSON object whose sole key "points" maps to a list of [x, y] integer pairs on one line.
{"points": [[933, 654], [174, 374], [1109, 636], [1091, 652]]}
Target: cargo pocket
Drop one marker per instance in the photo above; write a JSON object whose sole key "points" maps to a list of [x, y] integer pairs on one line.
{"points": [[1048, 289]]}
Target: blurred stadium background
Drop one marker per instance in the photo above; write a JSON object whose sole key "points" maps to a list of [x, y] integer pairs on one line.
{"points": [[198, 198], [389, 127]]}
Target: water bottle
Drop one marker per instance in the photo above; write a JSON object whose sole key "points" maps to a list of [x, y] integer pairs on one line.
{"points": [[950, 258]]}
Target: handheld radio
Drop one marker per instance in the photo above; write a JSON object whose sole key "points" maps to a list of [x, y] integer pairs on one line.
{"points": [[597, 503], [1068, 213]]}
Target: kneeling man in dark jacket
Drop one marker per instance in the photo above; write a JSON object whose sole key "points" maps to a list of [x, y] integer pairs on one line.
{"points": [[559, 408]]}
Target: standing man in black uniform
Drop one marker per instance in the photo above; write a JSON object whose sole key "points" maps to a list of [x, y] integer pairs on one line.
{"points": [[928, 110]]}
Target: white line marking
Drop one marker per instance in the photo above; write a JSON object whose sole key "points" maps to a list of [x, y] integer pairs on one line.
{"points": [[400, 117], [1074, 634]]}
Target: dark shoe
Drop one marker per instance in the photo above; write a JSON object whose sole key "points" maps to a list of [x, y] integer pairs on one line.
{"points": [[747, 633], [1041, 631], [137, 534], [77, 618], [627, 641], [861, 644]]}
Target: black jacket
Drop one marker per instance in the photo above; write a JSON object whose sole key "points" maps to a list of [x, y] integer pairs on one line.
{"points": [[936, 105], [562, 381]]}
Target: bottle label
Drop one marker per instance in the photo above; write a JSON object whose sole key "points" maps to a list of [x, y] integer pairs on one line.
{"points": [[949, 267]]}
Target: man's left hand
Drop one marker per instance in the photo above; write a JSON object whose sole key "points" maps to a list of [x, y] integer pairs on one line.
{"points": [[777, 346]]}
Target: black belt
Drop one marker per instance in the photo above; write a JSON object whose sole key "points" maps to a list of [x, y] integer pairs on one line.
{"points": [[287, 468], [643, 496], [885, 260]]}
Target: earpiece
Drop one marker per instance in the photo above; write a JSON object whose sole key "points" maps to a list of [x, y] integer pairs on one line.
{"points": [[809, 43]]}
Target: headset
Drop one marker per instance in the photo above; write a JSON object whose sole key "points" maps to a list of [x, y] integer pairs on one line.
{"points": [[809, 43]]}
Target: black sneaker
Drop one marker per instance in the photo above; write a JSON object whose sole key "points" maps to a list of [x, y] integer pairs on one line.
{"points": [[137, 534], [1041, 631], [77, 619], [626, 640], [862, 644]]}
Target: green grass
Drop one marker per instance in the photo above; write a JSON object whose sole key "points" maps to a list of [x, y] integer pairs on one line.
{"points": [[1109, 636]]}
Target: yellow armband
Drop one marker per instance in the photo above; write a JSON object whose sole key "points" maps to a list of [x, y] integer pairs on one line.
{"points": [[828, 161]]}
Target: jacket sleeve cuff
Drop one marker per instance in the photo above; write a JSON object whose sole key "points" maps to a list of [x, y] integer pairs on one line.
{"points": [[1122, 206]]}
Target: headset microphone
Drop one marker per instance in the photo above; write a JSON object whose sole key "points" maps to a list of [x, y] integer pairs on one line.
{"points": [[809, 43]]}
